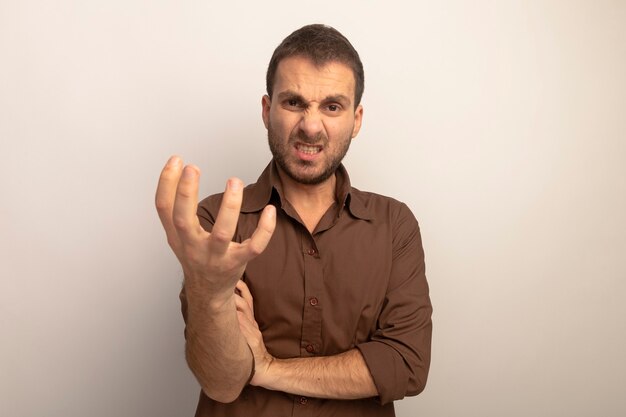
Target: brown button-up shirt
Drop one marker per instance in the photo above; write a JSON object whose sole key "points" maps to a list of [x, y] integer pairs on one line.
{"points": [[357, 281]]}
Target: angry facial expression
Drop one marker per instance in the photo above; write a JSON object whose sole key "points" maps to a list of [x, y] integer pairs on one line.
{"points": [[311, 118]]}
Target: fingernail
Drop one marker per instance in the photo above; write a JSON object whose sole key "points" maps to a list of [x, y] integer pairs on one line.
{"points": [[189, 172], [174, 160], [234, 184], [271, 212]]}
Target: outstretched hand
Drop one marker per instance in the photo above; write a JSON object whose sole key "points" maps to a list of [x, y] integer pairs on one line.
{"points": [[210, 260]]}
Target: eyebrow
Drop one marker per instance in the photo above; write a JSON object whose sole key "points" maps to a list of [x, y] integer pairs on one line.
{"points": [[289, 94]]}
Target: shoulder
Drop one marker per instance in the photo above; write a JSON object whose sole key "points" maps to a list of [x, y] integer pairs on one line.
{"points": [[388, 214], [377, 206]]}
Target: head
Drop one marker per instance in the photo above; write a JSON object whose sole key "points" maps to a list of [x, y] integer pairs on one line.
{"points": [[312, 109], [321, 44]]}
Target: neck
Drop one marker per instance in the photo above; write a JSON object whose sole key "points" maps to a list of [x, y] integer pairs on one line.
{"points": [[312, 195], [309, 200]]}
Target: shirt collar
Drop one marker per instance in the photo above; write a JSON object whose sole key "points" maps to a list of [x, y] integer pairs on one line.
{"points": [[268, 189]]}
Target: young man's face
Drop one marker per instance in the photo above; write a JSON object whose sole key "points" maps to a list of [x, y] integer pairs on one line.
{"points": [[311, 118]]}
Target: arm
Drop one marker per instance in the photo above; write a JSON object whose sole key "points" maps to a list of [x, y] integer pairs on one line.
{"points": [[216, 350], [398, 352], [344, 376]]}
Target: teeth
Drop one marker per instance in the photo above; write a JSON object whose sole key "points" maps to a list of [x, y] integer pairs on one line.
{"points": [[310, 150]]}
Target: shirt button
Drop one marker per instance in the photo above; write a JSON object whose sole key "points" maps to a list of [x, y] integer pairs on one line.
{"points": [[311, 252], [310, 348], [303, 400], [313, 301]]}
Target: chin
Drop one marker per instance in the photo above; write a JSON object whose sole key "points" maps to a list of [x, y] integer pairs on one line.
{"points": [[309, 178]]}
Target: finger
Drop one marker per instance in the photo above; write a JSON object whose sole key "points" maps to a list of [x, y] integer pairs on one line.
{"points": [[250, 330], [226, 222], [246, 328], [259, 240], [186, 204], [165, 195], [243, 307], [245, 293]]}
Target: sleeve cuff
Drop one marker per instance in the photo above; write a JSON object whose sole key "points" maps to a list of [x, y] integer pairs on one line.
{"points": [[387, 368]]}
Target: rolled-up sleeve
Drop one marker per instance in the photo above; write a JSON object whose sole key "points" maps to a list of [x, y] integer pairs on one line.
{"points": [[398, 353]]}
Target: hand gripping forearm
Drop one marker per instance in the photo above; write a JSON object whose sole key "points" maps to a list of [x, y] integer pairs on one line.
{"points": [[343, 376]]}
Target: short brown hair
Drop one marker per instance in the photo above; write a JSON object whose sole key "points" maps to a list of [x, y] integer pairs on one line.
{"points": [[321, 44]]}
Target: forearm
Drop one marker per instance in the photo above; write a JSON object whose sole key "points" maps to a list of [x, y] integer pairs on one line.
{"points": [[343, 376], [216, 351], [212, 262]]}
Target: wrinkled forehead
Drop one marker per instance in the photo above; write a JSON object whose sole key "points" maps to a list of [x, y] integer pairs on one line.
{"points": [[302, 75]]}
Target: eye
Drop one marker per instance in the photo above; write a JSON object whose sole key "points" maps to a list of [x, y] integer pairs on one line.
{"points": [[292, 104], [333, 107]]}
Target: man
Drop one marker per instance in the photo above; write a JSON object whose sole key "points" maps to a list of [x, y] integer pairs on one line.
{"points": [[302, 294]]}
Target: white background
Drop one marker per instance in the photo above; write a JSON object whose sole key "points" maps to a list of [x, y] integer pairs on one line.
{"points": [[501, 124]]}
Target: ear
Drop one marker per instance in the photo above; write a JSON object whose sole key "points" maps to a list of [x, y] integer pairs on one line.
{"points": [[266, 103], [358, 119]]}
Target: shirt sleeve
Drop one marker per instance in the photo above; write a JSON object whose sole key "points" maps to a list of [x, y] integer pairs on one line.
{"points": [[398, 353]]}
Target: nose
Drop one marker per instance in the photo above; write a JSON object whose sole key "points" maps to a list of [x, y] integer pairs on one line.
{"points": [[311, 123]]}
